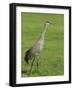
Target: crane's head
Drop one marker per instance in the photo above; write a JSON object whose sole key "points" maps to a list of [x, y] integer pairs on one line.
{"points": [[47, 23]]}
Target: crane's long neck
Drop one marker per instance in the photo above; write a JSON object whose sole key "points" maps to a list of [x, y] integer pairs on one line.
{"points": [[43, 33]]}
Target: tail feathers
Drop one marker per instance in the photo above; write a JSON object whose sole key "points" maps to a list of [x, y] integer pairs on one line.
{"points": [[27, 56], [26, 61]]}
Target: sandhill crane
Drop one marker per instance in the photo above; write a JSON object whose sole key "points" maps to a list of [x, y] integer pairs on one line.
{"points": [[33, 52]]}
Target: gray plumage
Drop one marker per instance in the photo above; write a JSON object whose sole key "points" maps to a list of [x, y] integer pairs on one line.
{"points": [[35, 50]]}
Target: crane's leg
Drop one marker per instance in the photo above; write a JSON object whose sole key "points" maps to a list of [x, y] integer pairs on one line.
{"points": [[31, 66], [37, 62]]}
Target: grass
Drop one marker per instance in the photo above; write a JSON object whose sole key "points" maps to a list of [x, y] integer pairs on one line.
{"points": [[51, 62]]}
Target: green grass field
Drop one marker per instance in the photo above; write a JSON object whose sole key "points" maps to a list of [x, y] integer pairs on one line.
{"points": [[51, 62]]}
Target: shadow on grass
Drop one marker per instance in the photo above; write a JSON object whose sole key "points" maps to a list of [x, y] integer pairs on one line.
{"points": [[24, 71], [32, 73]]}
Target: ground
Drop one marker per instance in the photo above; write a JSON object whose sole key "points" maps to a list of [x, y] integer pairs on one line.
{"points": [[51, 61]]}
